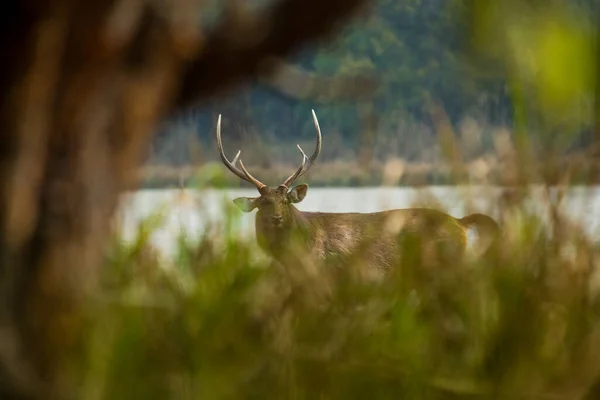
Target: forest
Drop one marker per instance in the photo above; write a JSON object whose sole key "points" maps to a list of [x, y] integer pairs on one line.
{"points": [[397, 62]]}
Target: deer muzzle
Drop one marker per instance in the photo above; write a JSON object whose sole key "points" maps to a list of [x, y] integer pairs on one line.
{"points": [[277, 220]]}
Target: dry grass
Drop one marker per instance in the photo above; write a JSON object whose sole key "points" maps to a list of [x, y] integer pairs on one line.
{"points": [[227, 323]]}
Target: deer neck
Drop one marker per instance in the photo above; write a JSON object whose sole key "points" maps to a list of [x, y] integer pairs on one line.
{"points": [[275, 240]]}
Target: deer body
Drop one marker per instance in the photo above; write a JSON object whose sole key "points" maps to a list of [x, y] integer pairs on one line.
{"points": [[373, 238], [376, 237]]}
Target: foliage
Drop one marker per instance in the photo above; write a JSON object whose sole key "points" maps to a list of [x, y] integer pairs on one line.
{"points": [[412, 45], [225, 322], [470, 57]]}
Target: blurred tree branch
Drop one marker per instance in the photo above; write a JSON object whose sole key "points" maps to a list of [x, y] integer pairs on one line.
{"points": [[295, 82], [276, 32], [82, 86]]}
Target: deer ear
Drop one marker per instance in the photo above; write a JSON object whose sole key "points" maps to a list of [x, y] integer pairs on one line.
{"points": [[246, 204], [297, 194]]}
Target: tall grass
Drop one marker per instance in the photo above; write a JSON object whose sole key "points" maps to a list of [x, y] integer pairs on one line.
{"points": [[226, 322]]}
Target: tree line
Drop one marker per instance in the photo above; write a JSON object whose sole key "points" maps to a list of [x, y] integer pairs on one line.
{"points": [[417, 51]]}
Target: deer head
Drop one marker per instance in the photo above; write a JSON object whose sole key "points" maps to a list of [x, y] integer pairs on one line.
{"points": [[275, 205]]}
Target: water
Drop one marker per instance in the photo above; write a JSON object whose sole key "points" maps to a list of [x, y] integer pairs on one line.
{"points": [[190, 212]]}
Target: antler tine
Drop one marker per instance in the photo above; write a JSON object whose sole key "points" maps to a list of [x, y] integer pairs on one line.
{"points": [[317, 151], [227, 163], [259, 185], [237, 157], [305, 167], [296, 174], [244, 174]]}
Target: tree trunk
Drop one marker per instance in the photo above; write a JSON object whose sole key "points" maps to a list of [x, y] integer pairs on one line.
{"points": [[83, 84]]}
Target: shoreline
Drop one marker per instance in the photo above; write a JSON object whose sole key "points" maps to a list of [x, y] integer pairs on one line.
{"points": [[215, 176]]}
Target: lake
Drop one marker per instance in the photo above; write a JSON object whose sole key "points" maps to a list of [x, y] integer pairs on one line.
{"points": [[192, 211]]}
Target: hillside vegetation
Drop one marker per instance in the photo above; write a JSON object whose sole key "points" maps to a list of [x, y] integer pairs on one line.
{"points": [[503, 73]]}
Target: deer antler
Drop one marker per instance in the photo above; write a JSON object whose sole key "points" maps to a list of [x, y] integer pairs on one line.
{"points": [[305, 167], [243, 174]]}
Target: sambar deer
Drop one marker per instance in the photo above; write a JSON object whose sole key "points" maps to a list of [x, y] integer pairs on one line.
{"points": [[374, 237]]}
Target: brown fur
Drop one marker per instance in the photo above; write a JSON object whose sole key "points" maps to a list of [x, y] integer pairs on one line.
{"points": [[373, 237]]}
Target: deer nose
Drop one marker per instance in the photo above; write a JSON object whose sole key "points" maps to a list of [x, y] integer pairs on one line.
{"points": [[277, 218]]}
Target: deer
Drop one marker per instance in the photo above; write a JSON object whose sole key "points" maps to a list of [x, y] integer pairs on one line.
{"points": [[373, 237]]}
